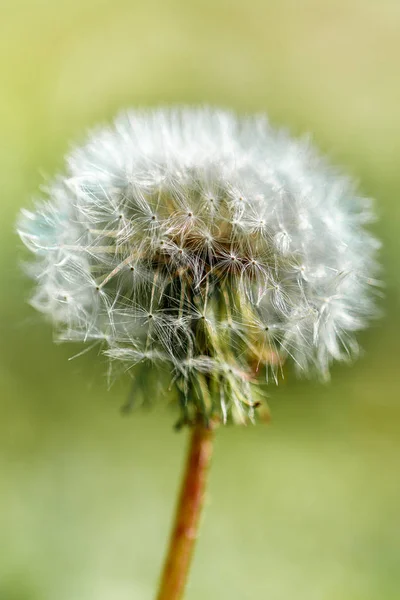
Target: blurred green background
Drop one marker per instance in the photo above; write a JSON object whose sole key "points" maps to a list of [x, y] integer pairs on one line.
{"points": [[307, 508]]}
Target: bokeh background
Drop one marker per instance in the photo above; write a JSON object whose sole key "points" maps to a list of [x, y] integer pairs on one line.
{"points": [[306, 508]]}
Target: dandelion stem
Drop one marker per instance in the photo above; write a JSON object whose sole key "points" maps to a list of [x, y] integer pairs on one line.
{"points": [[185, 530]]}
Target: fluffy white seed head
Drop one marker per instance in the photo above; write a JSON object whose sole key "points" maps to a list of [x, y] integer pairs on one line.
{"points": [[212, 244]]}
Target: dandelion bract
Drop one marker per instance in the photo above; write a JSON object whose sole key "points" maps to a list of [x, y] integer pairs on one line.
{"points": [[214, 245]]}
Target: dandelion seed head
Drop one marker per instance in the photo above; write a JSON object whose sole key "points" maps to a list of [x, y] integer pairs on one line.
{"points": [[215, 245]]}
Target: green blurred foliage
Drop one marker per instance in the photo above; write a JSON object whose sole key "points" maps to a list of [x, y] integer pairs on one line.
{"points": [[306, 508]]}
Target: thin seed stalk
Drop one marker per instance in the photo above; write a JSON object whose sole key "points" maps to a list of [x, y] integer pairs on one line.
{"points": [[188, 512]]}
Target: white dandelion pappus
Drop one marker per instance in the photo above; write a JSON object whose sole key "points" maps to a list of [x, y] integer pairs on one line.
{"points": [[214, 244]]}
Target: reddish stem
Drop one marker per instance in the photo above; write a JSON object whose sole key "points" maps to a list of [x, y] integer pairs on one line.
{"points": [[184, 534]]}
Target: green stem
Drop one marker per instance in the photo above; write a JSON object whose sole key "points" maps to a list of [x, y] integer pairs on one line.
{"points": [[185, 530]]}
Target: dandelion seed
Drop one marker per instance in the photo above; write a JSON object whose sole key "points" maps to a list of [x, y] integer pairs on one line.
{"points": [[215, 245]]}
